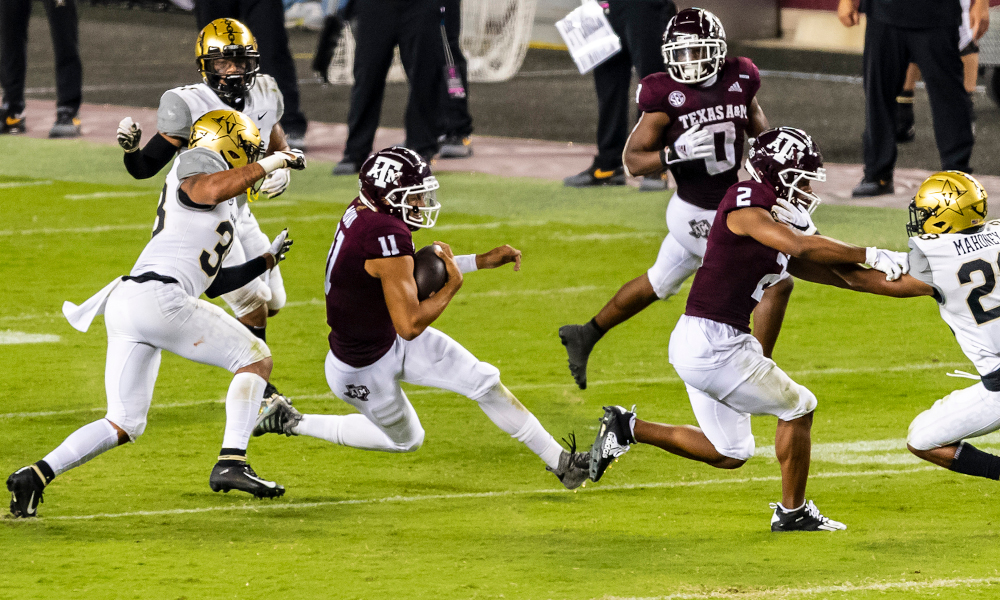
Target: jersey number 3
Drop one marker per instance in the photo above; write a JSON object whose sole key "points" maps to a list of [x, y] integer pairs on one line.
{"points": [[225, 231]]}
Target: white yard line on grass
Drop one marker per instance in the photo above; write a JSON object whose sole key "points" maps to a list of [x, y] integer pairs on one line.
{"points": [[149, 225], [844, 588], [99, 195], [16, 184], [474, 495]]}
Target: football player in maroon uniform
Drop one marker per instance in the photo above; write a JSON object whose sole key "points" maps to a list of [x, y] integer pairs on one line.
{"points": [[380, 332], [694, 120], [728, 377]]}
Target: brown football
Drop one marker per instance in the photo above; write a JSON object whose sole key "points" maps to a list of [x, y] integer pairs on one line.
{"points": [[429, 271]]}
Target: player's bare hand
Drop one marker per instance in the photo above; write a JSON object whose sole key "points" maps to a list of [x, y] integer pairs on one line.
{"points": [[847, 12], [281, 244], [893, 264], [979, 18], [454, 273], [276, 183], [498, 257], [129, 134], [695, 144]]}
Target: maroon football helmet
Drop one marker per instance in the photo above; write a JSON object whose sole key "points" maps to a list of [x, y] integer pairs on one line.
{"points": [[783, 157], [694, 46], [398, 181]]}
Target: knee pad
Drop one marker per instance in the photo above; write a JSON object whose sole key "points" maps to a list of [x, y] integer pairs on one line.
{"points": [[413, 444], [674, 264], [248, 298], [741, 450], [277, 287], [134, 427], [920, 435]]}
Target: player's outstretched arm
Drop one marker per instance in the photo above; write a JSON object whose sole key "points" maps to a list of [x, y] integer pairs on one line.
{"points": [[410, 317], [213, 188], [857, 278], [498, 257], [143, 163], [759, 224]]}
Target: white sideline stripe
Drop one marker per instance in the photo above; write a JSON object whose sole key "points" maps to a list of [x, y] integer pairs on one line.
{"points": [[516, 387], [823, 589], [149, 225], [473, 495], [19, 337], [605, 237], [98, 195], [16, 184], [490, 294]]}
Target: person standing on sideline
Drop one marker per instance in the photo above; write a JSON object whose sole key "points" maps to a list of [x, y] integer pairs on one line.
{"points": [[380, 26], [266, 19], [924, 32], [456, 122], [640, 25], [14, 17]]}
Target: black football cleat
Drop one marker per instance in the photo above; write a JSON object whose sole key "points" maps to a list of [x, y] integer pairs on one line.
{"points": [[579, 341], [11, 122], [67, 125], [867, 188], [242, 477], [805, 518], [574, 467], [614, 438], [277, 415], [26, 489], [593, 177], [456, 146]]}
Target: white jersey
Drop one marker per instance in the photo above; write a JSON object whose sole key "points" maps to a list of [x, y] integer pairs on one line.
{"points": [[189, 240], [963, 269]]}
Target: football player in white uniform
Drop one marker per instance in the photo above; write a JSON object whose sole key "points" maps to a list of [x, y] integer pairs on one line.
{"points": [[157, 307], [228, 60], [953, 258]]}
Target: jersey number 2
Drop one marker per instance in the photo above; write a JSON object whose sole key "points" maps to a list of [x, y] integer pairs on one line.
{"points": [[975, 299]]}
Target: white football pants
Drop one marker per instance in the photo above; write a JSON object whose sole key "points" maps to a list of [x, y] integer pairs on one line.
{"points": [[142, 319], [682, 249], [250, 242], [962, 414]]}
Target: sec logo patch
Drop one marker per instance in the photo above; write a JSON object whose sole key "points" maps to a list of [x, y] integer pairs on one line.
{"points": [[676, 99]]}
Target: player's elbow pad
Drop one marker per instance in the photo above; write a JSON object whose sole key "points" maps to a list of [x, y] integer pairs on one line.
{"points": [[154, 156]]}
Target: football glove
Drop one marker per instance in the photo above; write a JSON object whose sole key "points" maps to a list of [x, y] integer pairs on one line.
{"points": [[694, 144], [893, 264], [129, 134], [280, 246], [793, 215], [283, 159], [276, 183]]}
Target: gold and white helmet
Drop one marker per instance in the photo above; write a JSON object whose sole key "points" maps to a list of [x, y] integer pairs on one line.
{"points": [[228, 59], [947, 202], [230, 134]]}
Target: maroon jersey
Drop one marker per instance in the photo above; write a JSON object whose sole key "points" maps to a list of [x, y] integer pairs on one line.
{"points": [[361, 330], [722, 108], [736, 269]]}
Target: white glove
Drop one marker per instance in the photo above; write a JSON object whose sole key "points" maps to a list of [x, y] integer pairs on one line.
{"points": [[129, 134], [280, 246], [283, 159], [694, 145], [276, 183], [893, 264], [794, 215]]}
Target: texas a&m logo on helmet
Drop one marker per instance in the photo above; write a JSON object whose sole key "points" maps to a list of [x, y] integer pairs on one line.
{"points": [[785, 157], [398, 181]]}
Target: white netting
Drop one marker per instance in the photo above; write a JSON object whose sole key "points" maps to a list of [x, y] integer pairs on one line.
{"points": [[495, 36]]}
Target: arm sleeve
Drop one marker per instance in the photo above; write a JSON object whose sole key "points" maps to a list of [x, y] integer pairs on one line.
{"points": [[466, 263], [147, 162], [233, 278], [173, 117]]}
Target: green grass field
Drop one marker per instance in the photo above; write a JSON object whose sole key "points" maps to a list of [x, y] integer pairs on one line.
{"points": [[473, 514]]}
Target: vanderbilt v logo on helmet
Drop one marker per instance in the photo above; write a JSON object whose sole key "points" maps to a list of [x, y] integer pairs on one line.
{"points": [[230, 134], [227, 58], [947, 202], [398, 181]]}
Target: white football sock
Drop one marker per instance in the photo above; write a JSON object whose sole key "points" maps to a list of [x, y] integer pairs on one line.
{"points": [[82, 445], [242, 405], [355, 431], [510, 415]]}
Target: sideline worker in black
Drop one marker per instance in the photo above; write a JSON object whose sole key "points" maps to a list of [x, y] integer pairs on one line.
{"points": [[266, 19], [379, 26], [456, 122], [924, 32], [639, 25], [14, 16]]}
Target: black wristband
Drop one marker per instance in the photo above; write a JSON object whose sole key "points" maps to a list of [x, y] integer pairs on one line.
{"points": [[663, 158]]}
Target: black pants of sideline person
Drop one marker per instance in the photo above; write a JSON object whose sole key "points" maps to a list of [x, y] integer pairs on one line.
{"points": [[266, 20], [381, 25], [455, 117], [14, 16], [888, 51], [640, 25]]}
